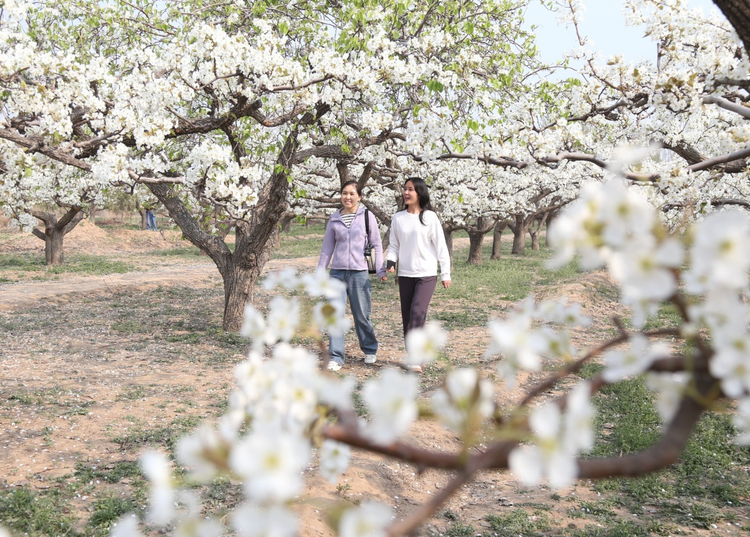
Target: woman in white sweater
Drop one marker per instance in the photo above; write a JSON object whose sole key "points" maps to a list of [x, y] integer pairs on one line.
{"points": [[417, 243]]}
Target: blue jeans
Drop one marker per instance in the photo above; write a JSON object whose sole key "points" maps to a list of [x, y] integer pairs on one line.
{"points": [[150, 221], [358, 289]]}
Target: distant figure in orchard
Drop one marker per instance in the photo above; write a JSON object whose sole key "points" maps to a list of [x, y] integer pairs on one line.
{"points": [[150, 219], [344, 241], [417, 243]]}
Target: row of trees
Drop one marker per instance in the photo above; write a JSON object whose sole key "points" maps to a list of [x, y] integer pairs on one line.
{"points": [[243, 110]]}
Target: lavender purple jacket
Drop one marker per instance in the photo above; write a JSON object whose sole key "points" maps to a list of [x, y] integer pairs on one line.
{"points": [[347, 245]]}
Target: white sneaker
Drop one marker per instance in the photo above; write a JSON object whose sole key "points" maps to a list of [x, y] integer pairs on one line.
{"points": [[333, 365], [370, 358]]}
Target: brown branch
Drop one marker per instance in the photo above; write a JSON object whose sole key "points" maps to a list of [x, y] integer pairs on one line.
{"points": [[574, 367], [665, 452], [744, 111], [708, 163], [424, 511], [37, 145], [398, 450]]}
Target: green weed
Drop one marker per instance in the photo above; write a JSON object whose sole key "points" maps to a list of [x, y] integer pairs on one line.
{"points": [[519, 522], [511, 278], [28, 513], [120, 471], [107, 511]]}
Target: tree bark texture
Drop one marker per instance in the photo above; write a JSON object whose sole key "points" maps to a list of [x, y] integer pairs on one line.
{"points": [[497, 235], [55, 231], [448, 234], [519, 227], [476, 238], [535, 232], [737, 13]]}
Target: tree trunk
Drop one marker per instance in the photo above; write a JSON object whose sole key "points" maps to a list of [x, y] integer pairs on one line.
{"points": [[448, 234], [737, 13], [239, 287], [55, 231], [476, 238], [535, 233], [497, 238], [142, 212], [286, 222], [534, 239], [92, 214], [519, 235], [240, 269], [54, 253], [546, 226]]}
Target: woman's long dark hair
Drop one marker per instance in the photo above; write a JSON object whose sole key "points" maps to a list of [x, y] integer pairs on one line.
{"points": [[423, 195]]}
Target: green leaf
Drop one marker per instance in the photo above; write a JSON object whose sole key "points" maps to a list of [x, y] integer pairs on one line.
{"points": [[435, 86]]}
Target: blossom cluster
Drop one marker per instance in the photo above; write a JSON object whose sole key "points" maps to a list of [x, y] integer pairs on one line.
{"points": [[269, 435]]}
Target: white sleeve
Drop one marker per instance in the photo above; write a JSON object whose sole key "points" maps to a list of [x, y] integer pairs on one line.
{"points": [[441, 247], [392, 254]]}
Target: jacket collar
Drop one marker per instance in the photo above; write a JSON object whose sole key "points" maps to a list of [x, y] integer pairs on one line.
{"points": [[337, 215]]}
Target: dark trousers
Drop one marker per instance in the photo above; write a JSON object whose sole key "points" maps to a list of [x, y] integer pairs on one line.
{"points": [[416, 294]]}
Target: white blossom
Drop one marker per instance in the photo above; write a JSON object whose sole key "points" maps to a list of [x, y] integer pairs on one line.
{"points": [[391, 400]]}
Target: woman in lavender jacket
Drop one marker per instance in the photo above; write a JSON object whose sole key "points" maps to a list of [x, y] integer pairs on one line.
{"points": [[344, 241]]}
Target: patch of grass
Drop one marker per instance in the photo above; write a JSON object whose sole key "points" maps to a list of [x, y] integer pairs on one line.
{"points": [[131, 326], [693, 513], [107, 511], [668, 316], [74, 263], [625, 528], [602, 509], [221, 496], [9, 326], [22, 261], [463, 318], [510, 278], [291, 248], [710, 475], [182, 251], [28, 513], [138, 436], [115, 474], [131, 393], [457, 529], [629, 406], [92, 264], [359, 405], [519, 522], [712, 467]]}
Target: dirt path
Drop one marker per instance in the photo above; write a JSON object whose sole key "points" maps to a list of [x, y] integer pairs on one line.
{"points": [[18, 295]]}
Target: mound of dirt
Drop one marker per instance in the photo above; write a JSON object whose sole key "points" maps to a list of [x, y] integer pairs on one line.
{"points": [[91, 239]]}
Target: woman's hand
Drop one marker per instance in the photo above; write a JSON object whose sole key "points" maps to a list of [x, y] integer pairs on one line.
{"points": [[446, 283], [391, 269], [384, 278]]}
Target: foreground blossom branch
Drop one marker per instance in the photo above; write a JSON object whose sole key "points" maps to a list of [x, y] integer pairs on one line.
{"points": [[284, 403]]}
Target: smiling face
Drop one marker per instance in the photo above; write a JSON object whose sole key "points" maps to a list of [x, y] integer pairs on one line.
{"points": [[350, 198], [411, 198]]}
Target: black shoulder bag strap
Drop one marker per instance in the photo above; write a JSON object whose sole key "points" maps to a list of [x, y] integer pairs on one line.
{"points": [[369, 256]]}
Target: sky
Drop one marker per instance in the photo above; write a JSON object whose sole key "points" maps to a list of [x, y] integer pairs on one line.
{"points": [[604, 24]]}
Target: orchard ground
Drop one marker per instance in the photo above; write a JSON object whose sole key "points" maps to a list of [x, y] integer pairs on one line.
{"points": [[122, 350]]}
